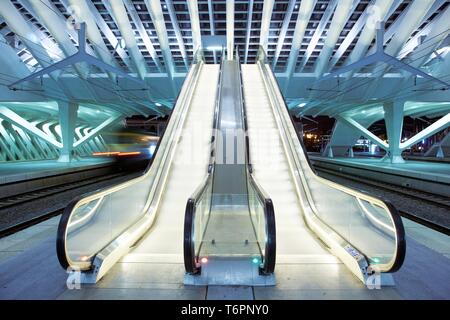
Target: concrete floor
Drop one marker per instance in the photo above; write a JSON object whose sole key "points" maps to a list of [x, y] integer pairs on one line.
{"points": [[29, 270]]}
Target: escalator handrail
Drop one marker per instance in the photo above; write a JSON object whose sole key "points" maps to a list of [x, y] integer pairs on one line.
{"points": [[190, 256], [101, 193], [393, 212], [269, 213]]}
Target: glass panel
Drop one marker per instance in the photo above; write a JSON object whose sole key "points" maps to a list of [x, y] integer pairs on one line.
{"points": [[201, 217], [95, 224], [258, 217], [229, 230], [365, 222]]}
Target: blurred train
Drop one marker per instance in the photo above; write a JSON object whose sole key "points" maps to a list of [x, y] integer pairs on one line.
{"points": [[129, 147]]}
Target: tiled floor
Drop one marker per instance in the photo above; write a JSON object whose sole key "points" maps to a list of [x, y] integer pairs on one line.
{"points": [[29, 270]]}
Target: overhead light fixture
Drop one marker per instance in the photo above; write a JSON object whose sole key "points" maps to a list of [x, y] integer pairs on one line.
{"points": [[158, 104], [301, 105]]}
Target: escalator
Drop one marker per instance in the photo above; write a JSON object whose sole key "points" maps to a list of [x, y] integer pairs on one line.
{"points": [[314, 216], [231, 150], [229, 235], [144, 216]]}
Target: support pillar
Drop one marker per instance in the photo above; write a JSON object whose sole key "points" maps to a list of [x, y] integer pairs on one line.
{"points": [[67, 119], [393, 117], [350, 152]]}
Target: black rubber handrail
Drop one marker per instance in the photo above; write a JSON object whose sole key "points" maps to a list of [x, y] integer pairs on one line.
{"points": [[191, 264], [269, 260], [395, 215], [65, 217]]}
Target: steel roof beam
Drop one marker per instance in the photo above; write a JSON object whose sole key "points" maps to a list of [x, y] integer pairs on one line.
{"points": [[343, 11], [304, 14], [230, 29], [249, 28], [318, 33], [120, 16], [57, 28], [176, 29], [157, 16], [283, 31], [195, 25], [265, 23]]}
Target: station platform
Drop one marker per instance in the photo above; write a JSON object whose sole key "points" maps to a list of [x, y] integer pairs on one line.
{"points": [[23, 177], [431, 177], [29, 269], [28, 170]]}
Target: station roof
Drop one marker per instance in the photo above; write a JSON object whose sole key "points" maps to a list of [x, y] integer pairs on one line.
{"points": [[156, 40]]}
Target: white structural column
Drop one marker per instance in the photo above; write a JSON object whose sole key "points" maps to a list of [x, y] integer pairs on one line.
{"points": [[343, 10], [156, 13], [265, 23], [195, 25], [393, 117], [67, 120], [230, 29], [304, 14], [123, 23]]}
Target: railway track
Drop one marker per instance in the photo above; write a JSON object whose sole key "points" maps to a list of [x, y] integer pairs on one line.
{"points": [[435, 200], [44, 192], [430, 198], [17, 200]]}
